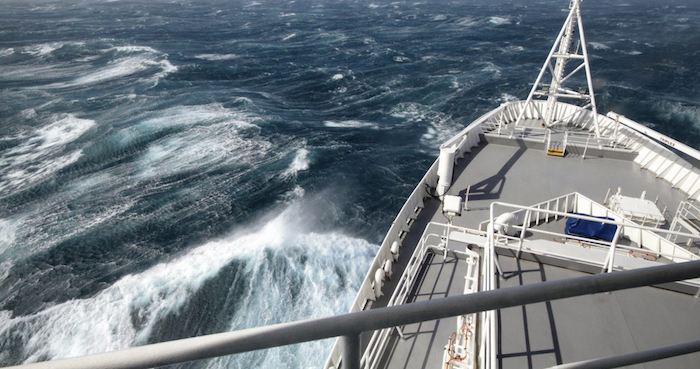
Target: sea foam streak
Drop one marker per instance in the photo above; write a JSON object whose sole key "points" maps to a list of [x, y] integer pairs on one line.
{"points": [[208, 135], [143, 61], [42, 153], [216, 57], [280, 254], [350, 124]]}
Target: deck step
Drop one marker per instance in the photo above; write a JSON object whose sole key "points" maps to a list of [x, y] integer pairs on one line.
{"points": [[555, 152]]}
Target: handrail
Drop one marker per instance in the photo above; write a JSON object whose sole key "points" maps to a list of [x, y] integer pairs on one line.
{"points": [[379, 338], [648, 132], [624, 223], [352, 324], [635, 357], [565, 198]]}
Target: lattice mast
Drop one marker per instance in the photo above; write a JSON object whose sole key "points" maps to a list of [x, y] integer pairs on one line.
{"points": [[562, 53]]}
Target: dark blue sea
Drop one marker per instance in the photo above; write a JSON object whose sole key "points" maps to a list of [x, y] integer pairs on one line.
{"points": [[177, 168]]}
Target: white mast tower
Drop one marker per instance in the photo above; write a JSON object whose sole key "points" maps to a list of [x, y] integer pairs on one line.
{"points": [[562, 52]]}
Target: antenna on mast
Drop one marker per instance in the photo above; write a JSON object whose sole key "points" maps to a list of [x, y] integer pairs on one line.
{"points": [[562, 52]]}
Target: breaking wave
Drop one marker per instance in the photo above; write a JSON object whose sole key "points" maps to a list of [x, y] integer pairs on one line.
{"points": [[86, 65], [41, 153], [283, 253]]}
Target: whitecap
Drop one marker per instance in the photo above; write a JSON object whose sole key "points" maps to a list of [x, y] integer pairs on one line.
{"points": [[42, 49], [301, 162], [215, 57], [8, 232], [467, 22], [42, 153], [349, 124], [289, 37], [680, 112], [505, 97], [498, 21], [337, 77], [489, 67], [203, 136], [598, 46]]}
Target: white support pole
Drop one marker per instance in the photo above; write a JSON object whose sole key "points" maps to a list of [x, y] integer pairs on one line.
{"points": [[588, 71], [611, 256]]}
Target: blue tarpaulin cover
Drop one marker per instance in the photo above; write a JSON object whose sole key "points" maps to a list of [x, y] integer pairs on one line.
{"points": [[591, 229]]}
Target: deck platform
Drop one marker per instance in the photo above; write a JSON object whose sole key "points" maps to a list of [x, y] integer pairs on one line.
{"points": [[555, 332]]}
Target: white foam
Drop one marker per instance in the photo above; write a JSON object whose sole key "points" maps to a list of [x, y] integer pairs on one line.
{"points": [[678, 111], [301, 162], [129, 60], [440, 17], [401, 59], [289, 37], [8, 232], [209, 135], [125, 313], [119, 69], [499, 21], [215, 57], [489, 67], [439, 128], [6, 52], [467, 22], [337, 77], [505, 97], [349, 124], [42, 49], [136, 49], [598, 46], [42, 153]]}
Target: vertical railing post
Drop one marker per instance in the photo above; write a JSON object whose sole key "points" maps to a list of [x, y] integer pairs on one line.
{"points": [[351, 351], [526, 223], [611, 260]]}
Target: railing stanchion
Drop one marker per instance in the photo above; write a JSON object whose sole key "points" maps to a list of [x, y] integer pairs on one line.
{"points": [[526, 223], [611, 261], [351, 351]]}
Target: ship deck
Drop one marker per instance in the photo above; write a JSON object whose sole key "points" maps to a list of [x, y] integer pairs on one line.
{"points": [[555, 332]]}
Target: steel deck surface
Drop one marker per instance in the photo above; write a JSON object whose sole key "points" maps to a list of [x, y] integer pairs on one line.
{"points": [[545, 334]]}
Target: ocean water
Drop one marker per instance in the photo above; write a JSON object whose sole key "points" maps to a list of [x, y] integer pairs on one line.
{"points": [[176, 168]]}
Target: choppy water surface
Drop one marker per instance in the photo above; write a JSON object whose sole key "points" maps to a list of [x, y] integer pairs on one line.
{"points": [[176, 168]]}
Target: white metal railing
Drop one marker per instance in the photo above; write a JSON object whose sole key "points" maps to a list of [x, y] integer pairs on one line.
{"points": [[613, 135], [613, 245], [687, 217], [462, 141], [656, 154], [565, 203], [646, 237], [433, 238]]}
